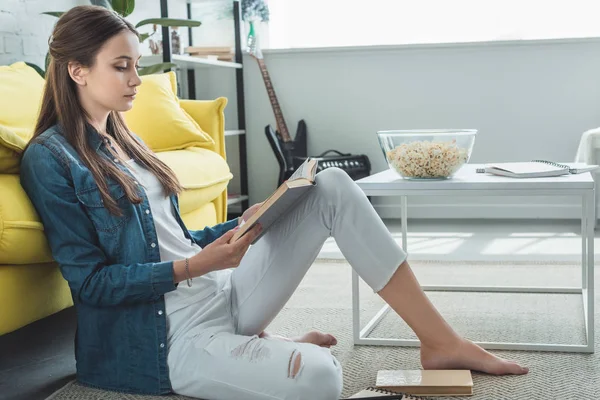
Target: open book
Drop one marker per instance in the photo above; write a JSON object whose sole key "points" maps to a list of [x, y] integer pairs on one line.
{"points": [[282, 200], [427, 382], [536, 169]]}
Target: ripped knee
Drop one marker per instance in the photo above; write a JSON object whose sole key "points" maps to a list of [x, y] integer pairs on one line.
{"points": [[295, 365], [253, 350]]}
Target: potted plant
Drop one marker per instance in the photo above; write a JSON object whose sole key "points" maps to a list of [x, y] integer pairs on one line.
{"points": [[253, 11], [125, 8]]}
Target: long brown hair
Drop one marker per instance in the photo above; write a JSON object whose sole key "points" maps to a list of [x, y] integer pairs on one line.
{"points": [[78, 36]]}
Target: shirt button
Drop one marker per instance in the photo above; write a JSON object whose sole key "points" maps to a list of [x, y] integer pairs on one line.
{"points": [[147, 211], [152, 245], [159, 312], [116, 160], [136, 182], [162, 345]]}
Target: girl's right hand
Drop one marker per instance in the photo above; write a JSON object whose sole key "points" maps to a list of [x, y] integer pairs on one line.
{"points": [[221, 254]]}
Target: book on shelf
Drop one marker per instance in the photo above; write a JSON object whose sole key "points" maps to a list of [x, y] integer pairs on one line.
{"points": [[426, 382], [228, 57], [282, 201], [208, 50], [536, 169]]}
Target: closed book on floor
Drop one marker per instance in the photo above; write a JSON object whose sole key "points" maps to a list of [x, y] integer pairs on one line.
{"points": [[427, 382]]}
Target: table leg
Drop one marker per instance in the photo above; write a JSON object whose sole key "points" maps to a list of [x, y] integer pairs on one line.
{"points": [[584, 239], [588, 292], [404, 220]]}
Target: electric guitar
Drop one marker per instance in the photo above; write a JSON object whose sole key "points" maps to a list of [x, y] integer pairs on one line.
{"points": [[282, 144]]}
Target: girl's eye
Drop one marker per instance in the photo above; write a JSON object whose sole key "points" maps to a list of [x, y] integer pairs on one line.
{"points": [[121, 68]]}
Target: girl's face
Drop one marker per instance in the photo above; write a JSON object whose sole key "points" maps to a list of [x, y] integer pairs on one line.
{"points": [[111, 84]]}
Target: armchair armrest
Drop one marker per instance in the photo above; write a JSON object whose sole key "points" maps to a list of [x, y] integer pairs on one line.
{"points": [[209, 115]]}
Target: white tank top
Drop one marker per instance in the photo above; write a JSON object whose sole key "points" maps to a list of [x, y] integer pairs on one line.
{"points": [[173, 245]]}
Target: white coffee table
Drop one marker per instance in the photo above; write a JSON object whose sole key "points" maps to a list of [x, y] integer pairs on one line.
{"points": [[469, 183]]}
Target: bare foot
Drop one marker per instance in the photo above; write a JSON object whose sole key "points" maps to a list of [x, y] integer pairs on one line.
{"points": [[468, 355], [318, 338], [314, 337]]}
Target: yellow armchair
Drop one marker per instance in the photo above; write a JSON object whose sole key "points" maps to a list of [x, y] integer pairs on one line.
{"points": [[31, 286]]}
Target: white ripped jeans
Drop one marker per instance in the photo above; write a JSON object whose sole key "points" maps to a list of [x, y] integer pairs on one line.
{"points": [[216, 353]]}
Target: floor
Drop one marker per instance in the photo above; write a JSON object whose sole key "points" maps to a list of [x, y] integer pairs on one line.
{"points": [[486, 240], [39, 359]]}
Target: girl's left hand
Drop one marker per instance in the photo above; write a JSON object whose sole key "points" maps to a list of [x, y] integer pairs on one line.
{"points": [[249, 212]]}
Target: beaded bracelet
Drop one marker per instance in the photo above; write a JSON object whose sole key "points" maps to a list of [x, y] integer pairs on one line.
{"points": [[187, 271]]}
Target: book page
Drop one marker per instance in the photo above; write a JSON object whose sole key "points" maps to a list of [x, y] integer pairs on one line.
{"points": [[303, 171]]}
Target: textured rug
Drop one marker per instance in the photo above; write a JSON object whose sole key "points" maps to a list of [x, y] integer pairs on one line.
{"points": [[323, 302]]}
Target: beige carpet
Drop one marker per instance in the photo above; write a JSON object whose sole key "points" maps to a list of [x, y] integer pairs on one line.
{"points": [[323, 301]]}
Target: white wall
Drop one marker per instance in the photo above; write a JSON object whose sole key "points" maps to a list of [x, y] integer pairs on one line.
{"points": [[24, 31], [528, 100]]}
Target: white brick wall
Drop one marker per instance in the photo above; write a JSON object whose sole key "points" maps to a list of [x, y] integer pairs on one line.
{"points": [[24, 31]]}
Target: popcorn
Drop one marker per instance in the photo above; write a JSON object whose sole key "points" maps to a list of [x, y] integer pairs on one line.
{"points": [[426, 159]]}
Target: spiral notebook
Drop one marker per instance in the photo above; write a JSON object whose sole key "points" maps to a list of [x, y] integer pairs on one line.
{"points": [[536, 169], [373, 393]]}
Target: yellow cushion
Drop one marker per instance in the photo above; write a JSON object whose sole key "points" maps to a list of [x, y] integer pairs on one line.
{"points": [[209, 114], [158, 118], [11, 146], [20, 227], [201, 217], [21, 88], [31, 292], [203, 173]]}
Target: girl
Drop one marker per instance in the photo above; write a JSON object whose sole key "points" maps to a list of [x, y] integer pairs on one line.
{"points": [[163, 309]]}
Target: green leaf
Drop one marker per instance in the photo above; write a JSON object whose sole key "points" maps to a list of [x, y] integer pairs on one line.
{"points": [[152, 69], [123, 7], [56, 14], [102, 3], [37, 69], [169, 22], [144, 36]]}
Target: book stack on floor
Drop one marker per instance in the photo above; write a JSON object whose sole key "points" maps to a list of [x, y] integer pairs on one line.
{"points": [[221, 53], [405, 384]]}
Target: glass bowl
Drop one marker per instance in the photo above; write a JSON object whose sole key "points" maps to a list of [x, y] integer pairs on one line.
{"points": [[427, 153]]}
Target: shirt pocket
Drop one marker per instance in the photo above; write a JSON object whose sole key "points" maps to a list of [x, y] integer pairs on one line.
{"points": [[102, 219]]}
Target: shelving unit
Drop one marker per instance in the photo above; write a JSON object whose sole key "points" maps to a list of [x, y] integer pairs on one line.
{"points": [[236, 200], [191, 64]]}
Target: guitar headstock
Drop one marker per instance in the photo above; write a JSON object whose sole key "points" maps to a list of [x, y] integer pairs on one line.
{"points": [[253, 48]]}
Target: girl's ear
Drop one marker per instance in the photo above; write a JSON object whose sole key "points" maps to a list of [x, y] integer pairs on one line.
{"points": [[78, 73]]}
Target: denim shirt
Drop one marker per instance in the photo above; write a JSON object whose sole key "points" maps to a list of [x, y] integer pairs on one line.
{"points": [[112, 264]]}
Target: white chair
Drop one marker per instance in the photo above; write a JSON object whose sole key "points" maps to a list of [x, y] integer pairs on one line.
{"points": [[588, 152]]}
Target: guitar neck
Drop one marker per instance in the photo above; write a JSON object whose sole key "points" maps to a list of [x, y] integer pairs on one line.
{"points": [[281, 125]]}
